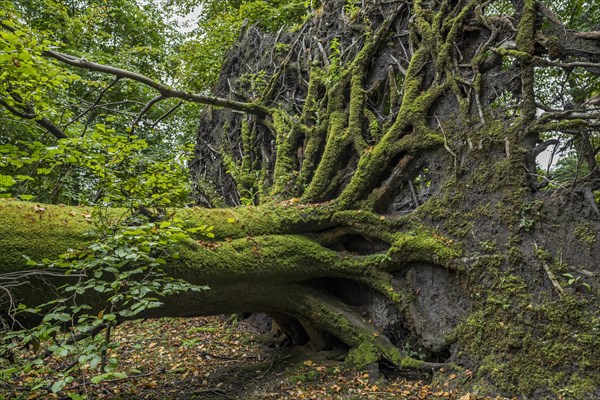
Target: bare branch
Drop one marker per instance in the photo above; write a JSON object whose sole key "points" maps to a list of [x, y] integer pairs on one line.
{"points": [[593, 35], [165, 91], [165, 115], [146, 108], [95, 104], [31, 115], [543, 146], [574, 64]]}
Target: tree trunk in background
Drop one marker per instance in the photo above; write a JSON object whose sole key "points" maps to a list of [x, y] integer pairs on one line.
{"points": [[391, 197]]}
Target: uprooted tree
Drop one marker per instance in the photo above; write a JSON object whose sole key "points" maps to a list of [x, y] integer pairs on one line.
{"points": [[385, 157]]}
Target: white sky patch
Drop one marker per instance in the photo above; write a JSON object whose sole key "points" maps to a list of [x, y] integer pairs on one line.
{"points": [[188, 23], [546, 160]]}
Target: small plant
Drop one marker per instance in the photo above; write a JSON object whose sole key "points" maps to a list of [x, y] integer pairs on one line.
{"points": [[488, 247], [352, 9], [123, 265], [576, 281], [585, 233], [526, 224], [529, 212], [416, 353], [255, 82], [334, 72], [249, 197]]}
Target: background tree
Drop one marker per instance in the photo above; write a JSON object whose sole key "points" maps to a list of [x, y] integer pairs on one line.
{"points": [[386, 154]]}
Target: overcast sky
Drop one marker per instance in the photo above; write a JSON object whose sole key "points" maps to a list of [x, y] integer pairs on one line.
{"points": [[189, 21]]}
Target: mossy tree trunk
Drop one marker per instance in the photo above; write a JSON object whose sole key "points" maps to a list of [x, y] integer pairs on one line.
{"points": [[391, 193]]}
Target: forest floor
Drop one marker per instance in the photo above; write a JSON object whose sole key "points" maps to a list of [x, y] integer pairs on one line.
{"points": [[215, 358]]}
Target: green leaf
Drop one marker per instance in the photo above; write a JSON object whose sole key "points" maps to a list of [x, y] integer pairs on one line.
{"points": [[126, 313], [107, 376], [95, 361], [109, 317], [58, 385], [100, 288], [6, 181]]}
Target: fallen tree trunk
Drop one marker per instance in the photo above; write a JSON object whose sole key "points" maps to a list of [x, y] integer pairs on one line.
{"points": [[352, 278], [280, 260]]}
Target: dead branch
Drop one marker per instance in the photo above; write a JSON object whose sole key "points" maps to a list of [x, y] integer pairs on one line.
{"points": [[94, 105], [31, 115], [165, 115], [146, 108], [165, 91]]}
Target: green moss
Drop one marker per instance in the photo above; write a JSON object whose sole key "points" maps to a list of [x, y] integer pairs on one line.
{"points": [[27, 229], [526, 44], [286, 163], [522, 55], [423, 246], [585, 233], [526, 29], [357, 105], [522, 347], [553, 45], [366, 353], [408, 362], [337, 139], [444, 52]]}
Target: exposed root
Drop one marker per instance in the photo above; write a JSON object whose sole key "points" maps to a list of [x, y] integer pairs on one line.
{"points": [[368, 346]]}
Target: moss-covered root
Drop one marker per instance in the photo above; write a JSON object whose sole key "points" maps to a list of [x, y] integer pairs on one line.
{"points": [[368, 346]]}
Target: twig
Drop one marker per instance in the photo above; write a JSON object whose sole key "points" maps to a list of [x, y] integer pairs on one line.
{"points": [[205, 353], [217, 391], [94, 105], [552, 277], [104, 351], [113, 380], [447, 147], [413, 193], [267, 371], [165, 115], [146, 108], [31, 115]]}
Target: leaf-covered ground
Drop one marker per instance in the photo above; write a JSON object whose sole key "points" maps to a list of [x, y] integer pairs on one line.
{"points": [[215, 358]]}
